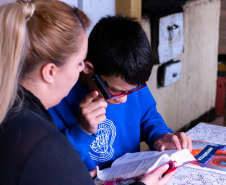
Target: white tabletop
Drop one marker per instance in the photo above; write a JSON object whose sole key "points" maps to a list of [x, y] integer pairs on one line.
{"points": [[186, 175]]}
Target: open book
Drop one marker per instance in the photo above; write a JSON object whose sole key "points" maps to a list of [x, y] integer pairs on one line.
{"points": [[210, 156], [136, 165]]}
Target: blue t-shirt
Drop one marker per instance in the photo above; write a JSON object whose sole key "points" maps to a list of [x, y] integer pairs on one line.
{"points": [[126, 125]]}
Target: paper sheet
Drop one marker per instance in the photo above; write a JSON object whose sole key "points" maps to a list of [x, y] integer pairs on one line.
{"points": [[135, 168]]}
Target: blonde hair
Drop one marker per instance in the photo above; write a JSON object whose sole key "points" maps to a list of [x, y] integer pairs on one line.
{"points": [[34, 33], [12, 36]]}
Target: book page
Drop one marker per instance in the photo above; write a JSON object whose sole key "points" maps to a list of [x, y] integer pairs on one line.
{"points": [[133, 169], [131, 157], [182, 156], [179, 155], [139, 163]]}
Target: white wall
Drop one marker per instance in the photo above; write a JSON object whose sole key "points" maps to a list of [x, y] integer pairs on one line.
{"points": [[71, 2], [6, 1], [95, 9]]}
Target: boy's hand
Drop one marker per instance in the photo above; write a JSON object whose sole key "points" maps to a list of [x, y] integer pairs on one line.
{"points": [[92, 111], [172, 141], [155, 177]]}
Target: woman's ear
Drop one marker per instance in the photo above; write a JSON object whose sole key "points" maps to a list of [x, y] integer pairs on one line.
{"points": [[88, 69], [48, 72]]}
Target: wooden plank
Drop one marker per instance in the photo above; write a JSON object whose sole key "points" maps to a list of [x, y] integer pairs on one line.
{"points": [[222, 31], [130, 8], [194, 94]]}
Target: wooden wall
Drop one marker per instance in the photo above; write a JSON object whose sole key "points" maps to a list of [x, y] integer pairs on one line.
{"points": [[130, 8], [194, 94], [222, 39]]}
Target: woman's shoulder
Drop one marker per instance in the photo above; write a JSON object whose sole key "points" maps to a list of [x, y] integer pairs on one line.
{"points": [[24, 128], [28, 121], [37, 148]]}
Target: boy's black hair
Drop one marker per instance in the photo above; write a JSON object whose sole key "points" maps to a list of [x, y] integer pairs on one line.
{"points": [[118, 46]]}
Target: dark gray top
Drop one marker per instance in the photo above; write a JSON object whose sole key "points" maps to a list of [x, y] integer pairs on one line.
{"points": [[34, 152]]}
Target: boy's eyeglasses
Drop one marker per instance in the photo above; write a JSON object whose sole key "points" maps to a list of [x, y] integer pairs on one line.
{"points": [[119, 95], [108, 93]]}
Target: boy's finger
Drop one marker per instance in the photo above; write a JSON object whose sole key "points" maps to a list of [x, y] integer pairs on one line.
{"points": [[183, 138], [189, 143], [176, 142], [159, 147], [93, 107], [88, 98]]}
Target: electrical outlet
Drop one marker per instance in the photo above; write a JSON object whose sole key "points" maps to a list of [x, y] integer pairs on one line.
{"points": [[169, 73]]}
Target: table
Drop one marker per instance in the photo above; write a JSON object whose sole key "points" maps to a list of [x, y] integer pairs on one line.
{"points": [[191, 176]]}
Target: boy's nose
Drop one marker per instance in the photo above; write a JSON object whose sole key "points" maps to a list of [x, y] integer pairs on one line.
{"points": [[121, 99]]}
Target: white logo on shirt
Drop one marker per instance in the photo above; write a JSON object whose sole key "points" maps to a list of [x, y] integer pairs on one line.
{"points": [[101, 148]]}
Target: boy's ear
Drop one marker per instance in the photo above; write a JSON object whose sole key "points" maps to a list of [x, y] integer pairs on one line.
{"points": [[48, 72], [88, 69]]}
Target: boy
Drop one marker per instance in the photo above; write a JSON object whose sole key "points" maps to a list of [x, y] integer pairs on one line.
{"points": [[101, 131]]}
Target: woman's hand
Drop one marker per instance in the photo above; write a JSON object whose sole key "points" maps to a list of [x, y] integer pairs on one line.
{"points": [[93, 173], [157, 177]]}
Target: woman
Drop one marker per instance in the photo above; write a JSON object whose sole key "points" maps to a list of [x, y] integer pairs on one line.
{"points": [[42, 48], [43, 45]]}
